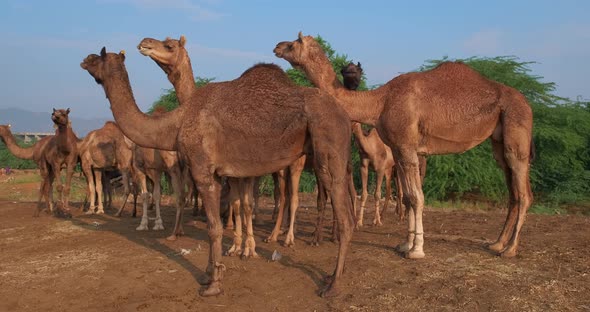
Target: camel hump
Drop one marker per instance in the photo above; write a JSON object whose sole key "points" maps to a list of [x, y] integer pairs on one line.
{"points": [[262, 67]]}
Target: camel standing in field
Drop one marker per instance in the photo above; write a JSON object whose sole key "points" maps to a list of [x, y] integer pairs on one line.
{"points": [[176, 64], [256, 124], [62, 150], [152, 163], [103, 149], [449, 109], [36, 153]]}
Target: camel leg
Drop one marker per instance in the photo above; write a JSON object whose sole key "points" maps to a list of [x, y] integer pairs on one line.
{"points": [[364, 193], [295, 171], [517, 179], [387, 191], [98, 177], [44, 172], [321, 204], [276, 192], [246, 195], [281, 181], [126, 192], [234, 205], [91, 191], [256, 197], [399, 207], [210, 189], [158, 224], [178, 186], [66, 192], [377, 196], [145, 195], [412, 189]]}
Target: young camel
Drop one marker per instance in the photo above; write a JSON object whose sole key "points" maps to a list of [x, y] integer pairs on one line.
{"points": [[256, 124], [62, 150], [103, 149], [152, 163], [37, 153], [449, 109]]}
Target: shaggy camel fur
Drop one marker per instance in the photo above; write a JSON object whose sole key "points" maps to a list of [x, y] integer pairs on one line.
{"points": [[103, 149], [176, 64], [449, 109], [62, 150], [251, 126], [36, 153]]}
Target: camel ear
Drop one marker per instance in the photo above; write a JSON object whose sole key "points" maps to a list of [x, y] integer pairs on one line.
{"points": [[300, 37], [122, 54], [68, 110], [103, 52], [9, 126], [54, 110], [182, 40], [358, 64]]}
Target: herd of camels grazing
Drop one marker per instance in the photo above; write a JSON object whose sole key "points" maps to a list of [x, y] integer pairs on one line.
{"points": [[262, 123]]}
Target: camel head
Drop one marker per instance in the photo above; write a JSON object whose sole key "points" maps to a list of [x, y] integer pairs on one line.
{"points": [[297, 52], [5, 130], [352, 75], [60, 116], [99, 65], [167, 54]]}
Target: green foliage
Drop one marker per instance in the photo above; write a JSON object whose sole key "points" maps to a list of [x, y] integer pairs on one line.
{"points": [[561, 172], [7, 159]]}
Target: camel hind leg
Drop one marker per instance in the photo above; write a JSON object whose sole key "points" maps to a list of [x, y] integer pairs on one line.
{"points": [[388, 193], [377, 216], [178, 186], [295, 171], [247, 186], [512, 155], [234, 206], [98, 177], [364, 192]]}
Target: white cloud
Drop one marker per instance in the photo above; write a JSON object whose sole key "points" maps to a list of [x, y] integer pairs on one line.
{"points": [[486, 42]]}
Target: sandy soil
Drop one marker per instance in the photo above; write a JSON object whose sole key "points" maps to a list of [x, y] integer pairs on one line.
{"points": [[100, 263]]}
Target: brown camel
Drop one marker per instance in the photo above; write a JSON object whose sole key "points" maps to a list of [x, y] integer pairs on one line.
{"points": [[100, 150], [62, 150], [36, 153], [176, 64], [151, 163], [449, 109], [374, 152], [254, 125]]}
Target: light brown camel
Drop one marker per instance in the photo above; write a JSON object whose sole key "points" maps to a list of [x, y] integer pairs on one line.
{"points": [[254, 125], [36, 153], [176, 64], [449, 109], [62, 150], [151, 163], [103, 149], [374, 152]]}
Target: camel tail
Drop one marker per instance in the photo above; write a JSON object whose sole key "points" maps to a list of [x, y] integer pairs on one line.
{"points": [[533, 153]]}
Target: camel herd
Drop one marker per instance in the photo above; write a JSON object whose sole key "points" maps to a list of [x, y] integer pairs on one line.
{"points": [[262, 123]]}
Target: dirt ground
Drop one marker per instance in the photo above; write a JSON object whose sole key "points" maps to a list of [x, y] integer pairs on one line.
{"points": [[100, 263]]}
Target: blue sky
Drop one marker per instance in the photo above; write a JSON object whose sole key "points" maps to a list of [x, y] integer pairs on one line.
{"points": [[43, 42]]}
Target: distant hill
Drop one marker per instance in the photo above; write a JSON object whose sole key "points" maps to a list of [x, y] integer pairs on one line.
{"points": [[26, 121]]}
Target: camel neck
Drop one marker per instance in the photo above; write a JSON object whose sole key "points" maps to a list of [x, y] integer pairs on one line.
{"points": [[17, 151], [183, 81], [361, 106], [158, 132]]}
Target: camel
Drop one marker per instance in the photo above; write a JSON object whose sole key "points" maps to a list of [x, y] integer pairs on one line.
{"points": [[62, 150], [36, 153], [176, 64], [449, 109], [256, 124], [100, 150], [151, 163], [374, 152]]}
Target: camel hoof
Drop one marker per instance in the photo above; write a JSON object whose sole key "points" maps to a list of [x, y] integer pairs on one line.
{"points": [[508, 253], [171, 238], [270, 240], [415, 254], [229, 227], [214, 289], [89, 212], [497, 247], [289, 243], [233, 251], [204, 279], [314, 243], [248, 254], [141, 228], [100, 212], [158, 227], [330, 291]]}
